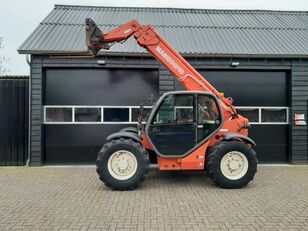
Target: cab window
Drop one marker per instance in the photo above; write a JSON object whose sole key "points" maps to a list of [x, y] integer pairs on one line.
{"points": [[175, 109], [208, 116]]}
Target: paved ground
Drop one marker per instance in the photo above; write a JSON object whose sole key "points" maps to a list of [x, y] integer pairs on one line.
{"points": [[74, 199]]}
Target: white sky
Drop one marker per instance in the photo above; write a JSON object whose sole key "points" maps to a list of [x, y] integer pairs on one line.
{"points": [[18, 18]]}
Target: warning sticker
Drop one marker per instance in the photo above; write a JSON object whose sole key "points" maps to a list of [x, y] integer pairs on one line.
{"points": [[299, 116], [300, 123]]}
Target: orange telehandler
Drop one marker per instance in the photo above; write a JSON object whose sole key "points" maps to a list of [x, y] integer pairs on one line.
{"points": [[197, 129]]}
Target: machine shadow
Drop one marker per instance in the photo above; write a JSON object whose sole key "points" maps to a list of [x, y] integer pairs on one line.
{"points": [[172, 178]]}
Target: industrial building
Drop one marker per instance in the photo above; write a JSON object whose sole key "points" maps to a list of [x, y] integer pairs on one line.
{"points": [[259, 58]]}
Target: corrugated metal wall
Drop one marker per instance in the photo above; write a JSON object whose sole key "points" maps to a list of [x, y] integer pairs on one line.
{"points": [[299, 99], [13, 120], [297, 79]]}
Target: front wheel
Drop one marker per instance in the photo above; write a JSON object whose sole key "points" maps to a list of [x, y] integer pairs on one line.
{"points": [[231, 164], [122, 164]]}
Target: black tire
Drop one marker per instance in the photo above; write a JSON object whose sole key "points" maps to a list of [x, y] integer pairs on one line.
{"points": [[215, 156], [137, 150]]}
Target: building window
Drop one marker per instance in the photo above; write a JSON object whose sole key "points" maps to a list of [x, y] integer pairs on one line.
{"points": [[252, 114], [174, 109], [83, 114], [57, 114], [116, 114], [273, 115], [136, 113]]}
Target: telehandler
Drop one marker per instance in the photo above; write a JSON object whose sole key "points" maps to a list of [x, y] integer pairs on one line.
{"points": [[196, 129]]}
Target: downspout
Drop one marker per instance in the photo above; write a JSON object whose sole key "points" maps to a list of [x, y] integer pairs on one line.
{"points": [[28, 60]]}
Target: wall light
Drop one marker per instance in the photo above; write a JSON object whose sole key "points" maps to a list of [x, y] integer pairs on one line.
{"points": [[101, 62], [234, 64]]}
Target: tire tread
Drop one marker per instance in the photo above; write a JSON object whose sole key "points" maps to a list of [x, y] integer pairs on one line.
{"points": [[213, 165], [107, 178]]}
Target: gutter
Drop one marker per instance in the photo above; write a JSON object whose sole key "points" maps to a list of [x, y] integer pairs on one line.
{"points": [[85, 54], [28, 60]]}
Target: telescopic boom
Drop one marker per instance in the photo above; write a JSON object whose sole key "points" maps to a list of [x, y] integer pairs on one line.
{"points": [[149, 39]]}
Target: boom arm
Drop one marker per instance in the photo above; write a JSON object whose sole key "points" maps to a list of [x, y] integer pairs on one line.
{"points": [[148, 38]]}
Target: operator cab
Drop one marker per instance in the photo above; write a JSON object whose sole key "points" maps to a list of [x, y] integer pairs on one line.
{"points": [[181, 121]]}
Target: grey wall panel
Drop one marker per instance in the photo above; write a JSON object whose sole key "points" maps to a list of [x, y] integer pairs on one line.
{"points": [[13, 121], [100, 86], [36, 117], [166, 80], [299, 100]]}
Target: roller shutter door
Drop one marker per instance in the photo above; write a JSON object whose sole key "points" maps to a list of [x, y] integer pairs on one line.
{"points": [[78, 101], [263, 96]]}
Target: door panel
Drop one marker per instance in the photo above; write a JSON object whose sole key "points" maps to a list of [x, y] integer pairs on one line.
{"points": [[75, 143], [249, 88], [182, 121], [79, 143], [272, 142], [100, 86], [175, 139], [256, 88], [173, 128]]}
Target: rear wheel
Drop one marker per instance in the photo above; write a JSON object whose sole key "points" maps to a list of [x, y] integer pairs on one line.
{"points": [[122, 164], [231, 164]]}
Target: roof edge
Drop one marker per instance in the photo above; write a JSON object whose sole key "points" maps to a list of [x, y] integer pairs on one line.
{"points": [[85, 54], [171, 8]]}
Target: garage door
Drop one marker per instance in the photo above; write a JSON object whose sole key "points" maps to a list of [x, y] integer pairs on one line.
{"points": [[83, 106], [263, 98]]}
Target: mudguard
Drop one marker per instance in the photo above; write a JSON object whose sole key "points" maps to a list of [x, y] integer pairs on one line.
{"points": [[232, 136], [129, 129], [129, 135]]}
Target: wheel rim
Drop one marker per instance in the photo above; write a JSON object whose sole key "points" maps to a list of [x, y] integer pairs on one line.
{"points": [[234, 165], [122, 165]]}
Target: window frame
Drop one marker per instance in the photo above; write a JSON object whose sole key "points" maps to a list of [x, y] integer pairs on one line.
{"points": [[260, 115], [118, 122], [274, 109], [137, 107], [183, 107], [73, 107], [87, 122], [58, 122], [174, 109]]}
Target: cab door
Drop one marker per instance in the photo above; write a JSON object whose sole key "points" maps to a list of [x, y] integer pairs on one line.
{"points": [[181, 121], [173, 128]]}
